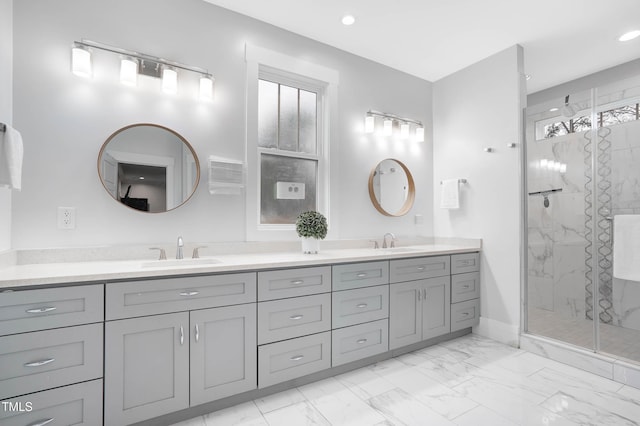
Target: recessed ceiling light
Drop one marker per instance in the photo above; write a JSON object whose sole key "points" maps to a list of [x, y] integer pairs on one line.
{"points": [[348, 19], [554, 109], [630, 35], [141, 178]]}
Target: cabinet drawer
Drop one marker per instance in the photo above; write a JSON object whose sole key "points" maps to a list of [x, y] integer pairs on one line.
{"points": [[288, 318], [282, 361], [359, 341], [465, 287], [293, 282], [465, 314], [77, 405], [419, 268], [32, 362], [32, 310], [360, 305], [149, 297], [465, 262], [356, 275]]}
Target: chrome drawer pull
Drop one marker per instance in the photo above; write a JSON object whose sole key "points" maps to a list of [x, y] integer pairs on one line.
{"points": [[361, 341], [296, 358], [181, 335], [420, 268], [42, 423], [465, 286], [41, 310], [362, 305], [361, 275], [189, 293], [296, 317], [40, 363], [297, 282], [466, 314], [197, 333]]}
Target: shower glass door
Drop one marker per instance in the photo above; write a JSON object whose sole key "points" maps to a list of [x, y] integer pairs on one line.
{"points": [[583, 177]]}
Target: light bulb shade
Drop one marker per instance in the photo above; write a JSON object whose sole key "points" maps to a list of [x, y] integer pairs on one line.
{"points": [[129, 72], [169, 80], [387, 128], [420, 134], [206, 88], [369, 124], [404, 130], [81, 61]]}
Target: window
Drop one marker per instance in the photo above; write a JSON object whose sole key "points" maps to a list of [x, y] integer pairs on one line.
{"points": [[288, 150], [288, 140]]}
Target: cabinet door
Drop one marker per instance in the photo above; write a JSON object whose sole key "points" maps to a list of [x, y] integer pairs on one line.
{"points": [[436, 307], [146, 367], [405, 314], [223, 352]]}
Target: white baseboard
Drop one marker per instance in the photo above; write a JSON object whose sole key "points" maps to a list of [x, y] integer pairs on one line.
{"points": [[500, 331]]}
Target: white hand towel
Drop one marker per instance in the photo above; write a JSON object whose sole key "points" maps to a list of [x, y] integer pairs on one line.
{"points": [[626, 247], [450, 194], [11, 153]]}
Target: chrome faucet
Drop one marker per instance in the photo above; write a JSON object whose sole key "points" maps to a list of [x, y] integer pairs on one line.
{"points": [[179, 254], [393, 240]]}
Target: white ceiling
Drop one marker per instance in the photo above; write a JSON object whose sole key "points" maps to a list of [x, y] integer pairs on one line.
{"points": [[562, 39]]}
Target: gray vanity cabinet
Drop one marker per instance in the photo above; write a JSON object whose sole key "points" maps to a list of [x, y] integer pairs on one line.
{"points": [[146, 367], [419, 310], [223, 352]]}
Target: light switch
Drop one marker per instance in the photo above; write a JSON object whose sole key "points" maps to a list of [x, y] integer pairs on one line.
{"points": [[290, 191]]}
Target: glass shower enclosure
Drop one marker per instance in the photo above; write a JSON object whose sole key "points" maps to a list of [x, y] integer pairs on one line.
{"points": [[582, 174]]}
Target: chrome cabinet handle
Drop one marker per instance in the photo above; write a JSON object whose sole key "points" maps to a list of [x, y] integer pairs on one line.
{"points": [[362, 305], [189, 293], [361, 341], [465, 286], [420, 268], [41, 310], [297, 282], [296, 317], [296, 358], [43, 422], [40, 363], [197, 333], [181, 335], [361, 275], [466, 314]]}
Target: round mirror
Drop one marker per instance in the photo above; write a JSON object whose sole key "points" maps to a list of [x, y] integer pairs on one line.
{"points": [[149, 168], [391, 188]]}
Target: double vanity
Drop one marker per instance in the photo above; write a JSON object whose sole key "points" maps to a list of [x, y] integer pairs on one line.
{"points": [[123, 342]]}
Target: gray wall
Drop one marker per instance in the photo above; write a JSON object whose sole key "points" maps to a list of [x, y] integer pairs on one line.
{"points": [[65, 119], [475, 108], [6, 98]]}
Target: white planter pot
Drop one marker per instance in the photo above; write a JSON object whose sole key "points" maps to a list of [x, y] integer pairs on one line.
{"points": [[310, 245]]}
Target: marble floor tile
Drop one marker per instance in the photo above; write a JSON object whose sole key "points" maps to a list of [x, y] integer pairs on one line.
{"points": [[402, 409], [279, 400], [246, 414], [466, 381], [339, 405], [299, 414]]}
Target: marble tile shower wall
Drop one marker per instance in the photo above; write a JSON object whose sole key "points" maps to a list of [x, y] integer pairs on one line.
{"points": [[557, 240]]}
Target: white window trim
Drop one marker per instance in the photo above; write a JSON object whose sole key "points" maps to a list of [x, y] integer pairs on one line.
{"points": [[261, 63]]}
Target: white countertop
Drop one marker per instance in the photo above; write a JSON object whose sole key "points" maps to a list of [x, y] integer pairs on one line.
{"points": [[37, 274]]}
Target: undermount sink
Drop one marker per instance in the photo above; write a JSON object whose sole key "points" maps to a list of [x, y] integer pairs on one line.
{"points": [[399, 249], [204, 261]]}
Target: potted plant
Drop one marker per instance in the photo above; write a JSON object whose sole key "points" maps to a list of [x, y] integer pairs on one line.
{"points": [[312, 227]]}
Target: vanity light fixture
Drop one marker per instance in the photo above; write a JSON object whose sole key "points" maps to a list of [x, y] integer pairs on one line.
{"points": [[388, 120], [81, 61], [134, 63], [169, 80], [129, 71], [206, 88]]}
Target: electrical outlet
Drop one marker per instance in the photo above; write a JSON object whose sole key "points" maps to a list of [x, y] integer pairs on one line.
{"points": [[66, 217]]}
